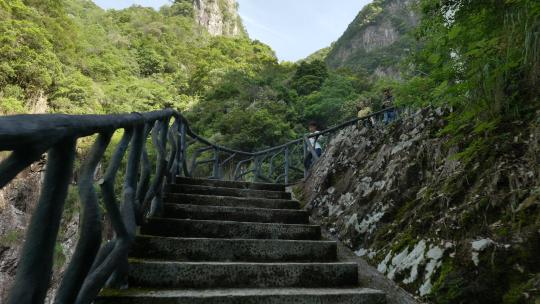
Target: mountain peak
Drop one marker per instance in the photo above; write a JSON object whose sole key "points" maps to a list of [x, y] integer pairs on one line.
{"points": [[219, 17], [377, 38]]}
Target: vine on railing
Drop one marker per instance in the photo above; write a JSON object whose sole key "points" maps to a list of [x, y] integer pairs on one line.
{"points": [[178, 152]]}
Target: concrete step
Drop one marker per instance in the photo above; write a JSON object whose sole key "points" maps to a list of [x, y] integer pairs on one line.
{"points": [[221, 191], [245, 296], [201, 249], [151, 274], [210, 200], [230, 184], [226, 229], [198, 212]]}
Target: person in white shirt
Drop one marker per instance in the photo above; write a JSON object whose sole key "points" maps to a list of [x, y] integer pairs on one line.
{"points": [[315, 143]]}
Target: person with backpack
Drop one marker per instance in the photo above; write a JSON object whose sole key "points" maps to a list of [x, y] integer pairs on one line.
{"points": [[315, 142]]}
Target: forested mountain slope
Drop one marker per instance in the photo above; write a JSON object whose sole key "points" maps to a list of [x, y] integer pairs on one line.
{"points": [[378, 38], [71, 56], [83, 59]]}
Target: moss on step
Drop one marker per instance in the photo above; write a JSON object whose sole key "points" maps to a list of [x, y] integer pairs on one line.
{"points": [[448, 287], [298, 194]]}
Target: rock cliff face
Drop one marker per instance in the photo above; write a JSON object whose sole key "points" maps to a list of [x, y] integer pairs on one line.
{"points": [[446, 230], [220, 17], [377, 38], [17, 203]]}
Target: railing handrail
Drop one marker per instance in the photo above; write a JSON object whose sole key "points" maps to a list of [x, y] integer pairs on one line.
{"points": [[24, 129]]}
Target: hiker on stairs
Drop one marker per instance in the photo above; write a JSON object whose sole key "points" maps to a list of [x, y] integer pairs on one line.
{"points": [[315, 143]]}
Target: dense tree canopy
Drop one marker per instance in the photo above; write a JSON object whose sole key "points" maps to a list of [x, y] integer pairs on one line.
{"points": [[482, 58], [87, 60]]}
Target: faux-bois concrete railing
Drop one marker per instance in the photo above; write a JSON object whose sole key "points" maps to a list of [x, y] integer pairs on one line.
{"points": [[178, 152]]}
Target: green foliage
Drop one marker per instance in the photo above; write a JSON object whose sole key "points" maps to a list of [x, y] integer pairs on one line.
{"points": [[320, 54], [59, 256], [11, 238], [28, 59], [518, 294], [448, 288], [232, 89], [328, 105], [309, 77], [181, 8], [480, 57]]}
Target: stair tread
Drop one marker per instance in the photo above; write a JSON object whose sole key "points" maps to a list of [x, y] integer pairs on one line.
{"points": [[234, 222], [248, 250], [209, 196], [236, 240], [217, 200], [240, 263], [189, 274], [247, 296], [224, 191], [229, 229], [231, 184], [232, 208], [245, 214], [172, 293]]}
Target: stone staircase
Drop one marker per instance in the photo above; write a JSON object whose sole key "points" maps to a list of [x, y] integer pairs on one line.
{"points": [[235, 242]]}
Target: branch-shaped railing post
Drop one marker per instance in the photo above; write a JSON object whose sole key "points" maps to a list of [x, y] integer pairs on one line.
{"points": [[304, 145], [90, 231], [119, 277], [35, 265], [216, 167], [286, 168], [176, 167], [153, 197], [237, 172], [146, 171], [183, 148], [110, 254], [257, 164], [172, 162], [195, 163], [271, 164], [227, 160]]}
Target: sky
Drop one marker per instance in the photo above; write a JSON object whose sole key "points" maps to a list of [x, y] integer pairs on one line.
{"points": [[293, 28]]}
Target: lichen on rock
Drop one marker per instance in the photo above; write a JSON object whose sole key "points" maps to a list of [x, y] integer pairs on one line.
{"points": [[447, 230]]}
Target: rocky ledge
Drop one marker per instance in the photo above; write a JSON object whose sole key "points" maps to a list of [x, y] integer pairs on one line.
{"points": [[447, 230]]}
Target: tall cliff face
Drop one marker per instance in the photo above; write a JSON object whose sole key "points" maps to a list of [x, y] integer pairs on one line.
{"points": [[446, 230], [377, 38], [220, 17]]}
